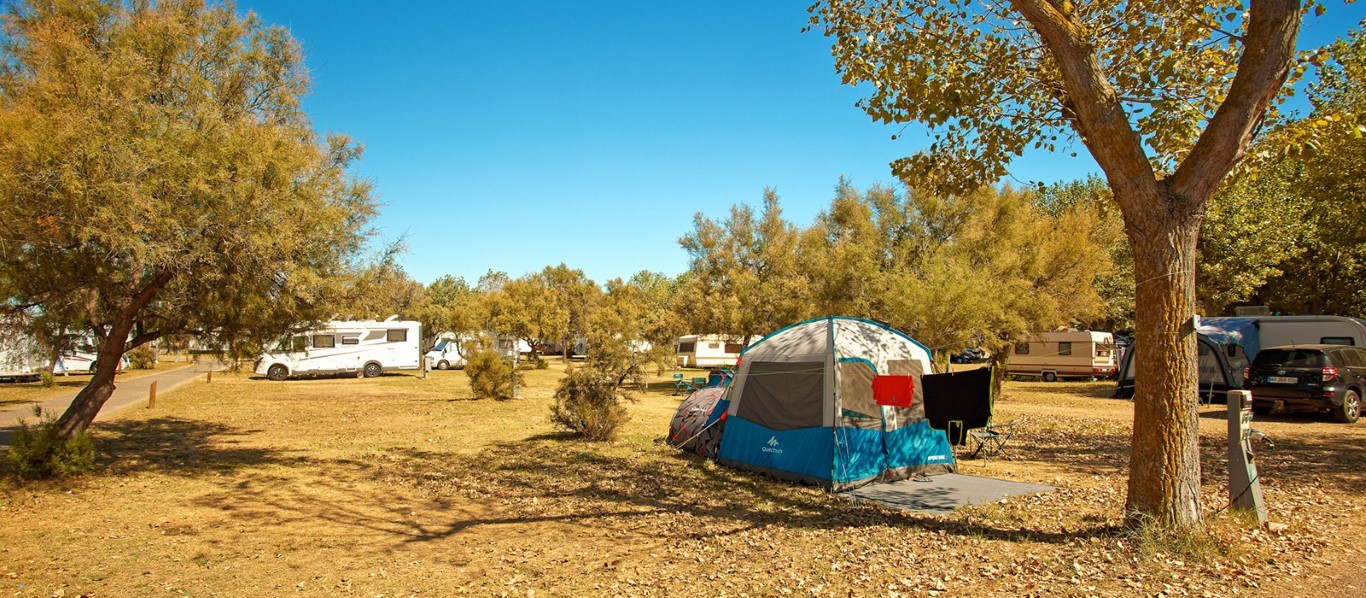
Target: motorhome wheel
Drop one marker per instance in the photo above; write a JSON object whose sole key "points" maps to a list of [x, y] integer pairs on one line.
{"points": [[443, 365], [1050, 377], [372, 370], [277, 372]]}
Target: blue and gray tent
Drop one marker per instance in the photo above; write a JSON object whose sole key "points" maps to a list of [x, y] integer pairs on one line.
{"points": [[802, 407]]}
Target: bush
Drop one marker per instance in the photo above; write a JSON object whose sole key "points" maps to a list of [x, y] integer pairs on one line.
{"points": [[142, 358], [587, 403], [542, 364], [47, 379], [36, 451], [491, 376]]}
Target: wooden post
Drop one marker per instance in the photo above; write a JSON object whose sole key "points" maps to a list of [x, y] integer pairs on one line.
{"points": [[210, 381], [152, 395]]}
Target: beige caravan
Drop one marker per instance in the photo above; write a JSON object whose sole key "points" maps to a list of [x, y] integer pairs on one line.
{"points": [[1054, 355]]}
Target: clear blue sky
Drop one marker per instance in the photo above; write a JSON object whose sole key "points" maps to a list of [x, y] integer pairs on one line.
{"points": [[514, 135]]}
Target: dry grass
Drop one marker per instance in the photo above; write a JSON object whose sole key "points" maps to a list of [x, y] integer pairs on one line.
{"points": [[405, 486]]}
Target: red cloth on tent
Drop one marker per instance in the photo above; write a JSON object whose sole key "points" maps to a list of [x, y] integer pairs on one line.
{"points": [[894, 391]]}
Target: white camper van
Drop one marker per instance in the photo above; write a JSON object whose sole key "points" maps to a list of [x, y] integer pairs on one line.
{"points": [[1054, 355], [446, 354], [365, 348], [80, 359], [707, 351]]}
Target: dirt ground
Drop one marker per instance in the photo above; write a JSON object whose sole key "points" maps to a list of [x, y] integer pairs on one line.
{"points": [[401, 486]]}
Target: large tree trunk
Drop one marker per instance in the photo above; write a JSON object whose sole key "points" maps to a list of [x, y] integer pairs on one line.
{"points": [[88, 402], [1164, 470]]}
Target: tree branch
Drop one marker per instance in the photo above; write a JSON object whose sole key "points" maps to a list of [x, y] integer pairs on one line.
{"points": [[1271, 31], [1100, 116]]}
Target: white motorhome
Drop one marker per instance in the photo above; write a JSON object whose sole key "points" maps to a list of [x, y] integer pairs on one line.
{"points": [[707, 351], [1279, 331], [1073, 354], [446, 354], [365, 348], [21, 359], [80, 358]]}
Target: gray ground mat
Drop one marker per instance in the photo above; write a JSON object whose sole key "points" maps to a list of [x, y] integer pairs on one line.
{"points": [[943, 493]]}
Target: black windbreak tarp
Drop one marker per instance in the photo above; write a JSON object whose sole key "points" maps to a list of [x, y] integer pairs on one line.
{"points": [[958, 402]]}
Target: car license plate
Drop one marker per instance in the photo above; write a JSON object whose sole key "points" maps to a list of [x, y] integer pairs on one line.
{"points": [[1282, 380]]}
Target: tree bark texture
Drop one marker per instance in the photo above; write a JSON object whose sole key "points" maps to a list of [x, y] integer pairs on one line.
{"points": [[88, 402], [1164, 471], [1162, 219]]}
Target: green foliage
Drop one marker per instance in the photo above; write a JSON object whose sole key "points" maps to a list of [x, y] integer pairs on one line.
{"points": [[1114, 285], [46, 378], [491, 374], [587, 404], [1323, 190], [526, 308], [1254, 226], [978, 76], [578, 294], [38, 451], [974, 269], [542, 364], [158, 175], [142, 358], [452, 306], [744, 275]]}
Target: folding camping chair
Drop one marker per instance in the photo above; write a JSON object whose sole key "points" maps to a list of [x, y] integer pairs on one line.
{"points": [[682, 385], [991, 440]]}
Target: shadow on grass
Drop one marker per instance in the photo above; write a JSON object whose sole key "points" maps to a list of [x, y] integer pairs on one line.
{"points": [[546, 479], [177, 446]]}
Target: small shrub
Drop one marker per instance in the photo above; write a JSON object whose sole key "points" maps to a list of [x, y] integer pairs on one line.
{"points": [[587, 403], [36, 451], [542, 364], [491, 376], [46, 378], [142, 358]]}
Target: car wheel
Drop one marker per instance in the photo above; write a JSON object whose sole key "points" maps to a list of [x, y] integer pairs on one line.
{"points": [[372, 370], [277, 372], [1261, 408], [1050, 377], [1350, 409], [443, 365]]}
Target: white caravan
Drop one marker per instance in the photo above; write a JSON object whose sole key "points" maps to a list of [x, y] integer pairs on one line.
{"points": [[707, 351], [364, 348], [446, 354]]}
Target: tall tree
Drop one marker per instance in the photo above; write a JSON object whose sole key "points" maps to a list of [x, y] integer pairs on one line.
{"points": [[527, 309], [452, 306], [579, 296], [1164, 95], [746, 279], [157, 177], [1322, 174]]}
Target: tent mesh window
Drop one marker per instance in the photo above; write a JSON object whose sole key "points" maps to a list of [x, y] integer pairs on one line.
{"points": [[899, 416], [858, 409], [783, 395]]}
